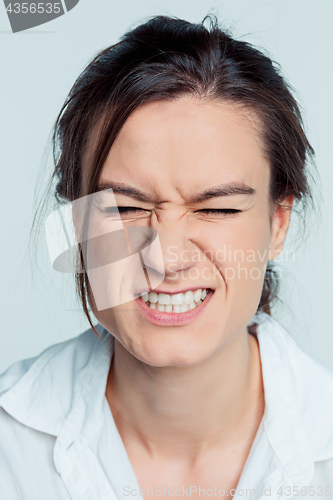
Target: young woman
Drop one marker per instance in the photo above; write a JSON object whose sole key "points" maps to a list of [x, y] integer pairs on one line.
{"points": [[187, 387]]}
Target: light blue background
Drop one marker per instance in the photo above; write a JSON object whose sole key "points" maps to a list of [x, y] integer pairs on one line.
{"points": [[38, 67]]}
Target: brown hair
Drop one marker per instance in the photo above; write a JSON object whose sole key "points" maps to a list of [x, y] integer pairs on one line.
{"points": [[162, 59]]}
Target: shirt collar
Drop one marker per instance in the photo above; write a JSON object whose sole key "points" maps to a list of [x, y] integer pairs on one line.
{"points": [[62, 394]]}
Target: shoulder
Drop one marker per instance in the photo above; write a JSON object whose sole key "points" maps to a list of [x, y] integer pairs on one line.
{"points": [[305, 371], [40, 391], [60, 352], [37, 397], [307, 382]]}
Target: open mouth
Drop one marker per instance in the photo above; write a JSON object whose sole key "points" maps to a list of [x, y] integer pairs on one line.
{"points": [[176, 303]]}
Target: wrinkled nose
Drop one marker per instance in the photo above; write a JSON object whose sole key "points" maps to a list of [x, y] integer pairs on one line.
{"points": [[177, 248]]}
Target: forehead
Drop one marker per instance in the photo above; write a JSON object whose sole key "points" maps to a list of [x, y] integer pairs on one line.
{"points": [[187, 144]]}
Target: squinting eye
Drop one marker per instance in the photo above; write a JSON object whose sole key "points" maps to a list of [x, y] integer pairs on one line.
{"points": [[218, 211], [132, 211], [124, 210]]}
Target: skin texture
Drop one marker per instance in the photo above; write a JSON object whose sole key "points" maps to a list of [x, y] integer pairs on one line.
{"points": [[188, 400]]}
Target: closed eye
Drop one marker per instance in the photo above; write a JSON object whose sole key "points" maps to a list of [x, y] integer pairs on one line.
{"points": [[130, 209], [218, 211], [124, 210], [137, 210]]}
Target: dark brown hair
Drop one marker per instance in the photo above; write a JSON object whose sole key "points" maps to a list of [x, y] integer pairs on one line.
{"points": [[163, 59]]}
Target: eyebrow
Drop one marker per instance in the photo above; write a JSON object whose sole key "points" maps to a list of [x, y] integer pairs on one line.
{"points": [[126, 190], [230, 189]]}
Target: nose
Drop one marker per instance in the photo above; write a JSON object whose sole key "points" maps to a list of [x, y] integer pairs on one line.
{"points": [[178, 249]]}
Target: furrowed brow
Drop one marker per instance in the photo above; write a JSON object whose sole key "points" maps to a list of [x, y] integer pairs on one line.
{"points": [[230, 189]]}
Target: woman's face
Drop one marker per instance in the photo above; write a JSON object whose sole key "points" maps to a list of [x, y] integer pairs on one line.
{"points": [[204, 184]]}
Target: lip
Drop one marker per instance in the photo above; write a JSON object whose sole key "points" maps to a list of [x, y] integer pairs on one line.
{"points": [[160, 318], [173, 292]]}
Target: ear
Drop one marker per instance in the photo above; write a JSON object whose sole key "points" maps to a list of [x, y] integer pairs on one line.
{"points": [[280, 226]]}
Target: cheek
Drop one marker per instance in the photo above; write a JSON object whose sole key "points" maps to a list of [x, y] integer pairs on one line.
{"points": [[240, 251]]}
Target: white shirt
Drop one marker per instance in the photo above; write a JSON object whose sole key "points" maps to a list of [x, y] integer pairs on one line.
{"points": [[58, 439]]}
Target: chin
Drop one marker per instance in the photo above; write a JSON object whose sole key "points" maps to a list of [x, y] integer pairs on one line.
{"points": [[167, 352]]}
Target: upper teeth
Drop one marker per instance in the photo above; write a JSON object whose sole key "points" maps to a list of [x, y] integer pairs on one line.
{"points": [[178, 302]]}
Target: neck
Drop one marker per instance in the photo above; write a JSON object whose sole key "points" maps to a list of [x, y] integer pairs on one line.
{"points": [[188, 410]]}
